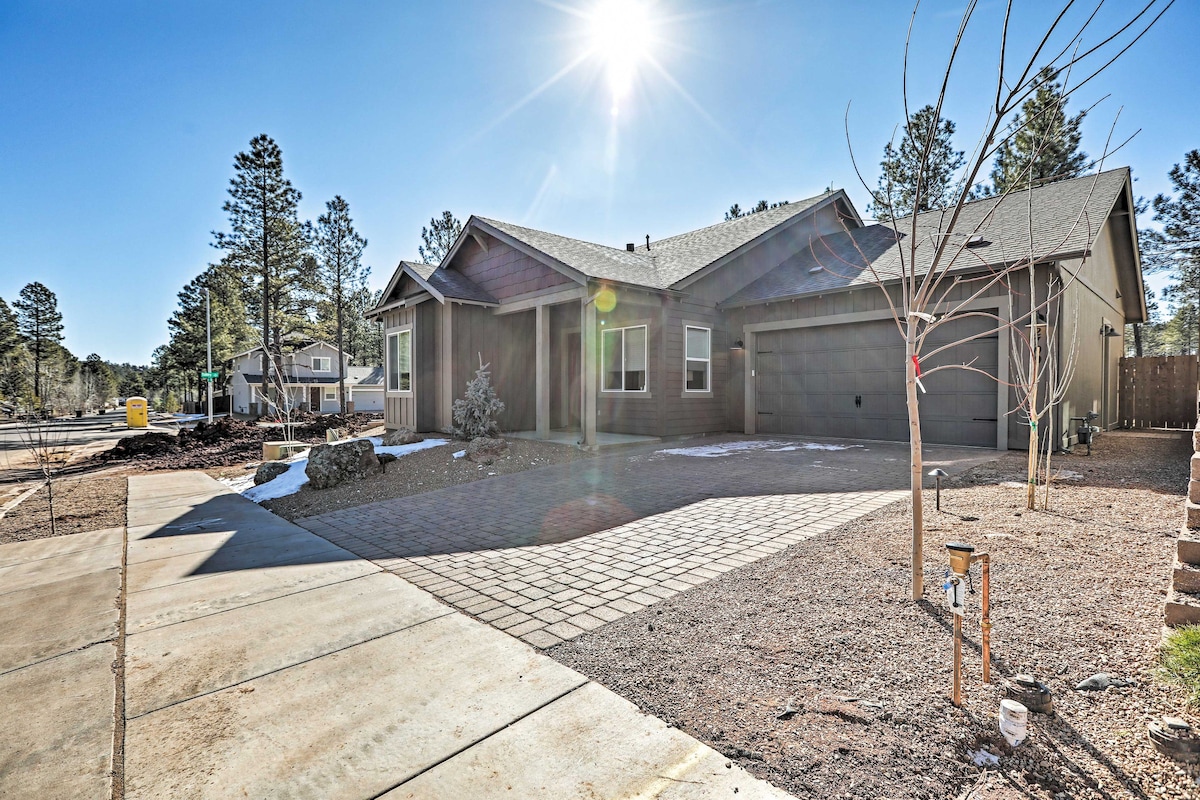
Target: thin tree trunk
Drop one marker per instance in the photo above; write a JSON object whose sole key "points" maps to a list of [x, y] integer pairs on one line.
{"points": [[341, 358], [1031, 488], [50, 500], [1137, 339], [915, 466]]}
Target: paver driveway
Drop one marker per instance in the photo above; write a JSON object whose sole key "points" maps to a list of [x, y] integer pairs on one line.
{"points": [[550, 553]]}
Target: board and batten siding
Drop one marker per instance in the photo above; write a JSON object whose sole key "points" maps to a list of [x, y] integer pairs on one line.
{"points": [[687, 413], [634, 412], [504, 271], [508, 344], [418, 408]]}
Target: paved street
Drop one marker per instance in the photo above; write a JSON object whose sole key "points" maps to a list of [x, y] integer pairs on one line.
{"points": [[81, 437], [550, 553]]}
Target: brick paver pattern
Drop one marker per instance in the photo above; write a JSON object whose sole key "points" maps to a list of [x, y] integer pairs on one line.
{"points": [[550, 553]]}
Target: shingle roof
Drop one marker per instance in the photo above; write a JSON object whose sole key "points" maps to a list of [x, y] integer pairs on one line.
{"points": [[667, 261], [355, 376], [366, 376], [1057, 220], [450, 283]]}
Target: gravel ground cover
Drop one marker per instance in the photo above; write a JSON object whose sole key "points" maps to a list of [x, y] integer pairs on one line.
{"points": [[423, 471], [87, 503], [816, 671]]}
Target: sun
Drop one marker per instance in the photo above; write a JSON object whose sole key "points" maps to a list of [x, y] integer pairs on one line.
{"points": [[622, 35]]}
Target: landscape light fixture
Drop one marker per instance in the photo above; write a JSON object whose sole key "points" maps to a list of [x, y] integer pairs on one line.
{"points": [[937, 475]]}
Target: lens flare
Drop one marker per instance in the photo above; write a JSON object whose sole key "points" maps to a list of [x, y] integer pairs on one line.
{"points": [[621, 37]]}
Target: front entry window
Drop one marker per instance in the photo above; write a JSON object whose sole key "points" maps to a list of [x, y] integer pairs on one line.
{"points": [[623, 359]]}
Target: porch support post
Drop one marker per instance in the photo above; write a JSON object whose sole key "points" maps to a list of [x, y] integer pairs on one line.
{"points": [[590, 372], [542, 345], [446, 369]]}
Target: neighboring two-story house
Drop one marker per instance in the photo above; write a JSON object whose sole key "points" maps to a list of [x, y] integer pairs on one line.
{"points": [[310, 378]]}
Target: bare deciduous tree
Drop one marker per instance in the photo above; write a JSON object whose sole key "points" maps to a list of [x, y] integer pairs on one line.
{"points": [[930, 283]]}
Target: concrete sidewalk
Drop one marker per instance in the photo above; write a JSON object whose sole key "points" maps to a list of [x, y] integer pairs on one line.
{"points": [[263, 661], [59, 599]]}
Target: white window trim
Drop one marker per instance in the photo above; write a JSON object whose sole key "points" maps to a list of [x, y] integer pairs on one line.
{"points": [[330, 395], [387, 362], [706, 392], [646, 388], [326, 360]]}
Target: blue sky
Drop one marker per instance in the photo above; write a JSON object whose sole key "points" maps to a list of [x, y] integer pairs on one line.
{"points": [[121, 121]]}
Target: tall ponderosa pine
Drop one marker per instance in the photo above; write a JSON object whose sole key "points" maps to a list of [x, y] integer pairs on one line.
{"points": [[10, 337], [364, 337], [921, 174], [1177, 247], [40, 325], [266, 246], [340, 273], [1042, 144], [187, 351], [438, 238]]}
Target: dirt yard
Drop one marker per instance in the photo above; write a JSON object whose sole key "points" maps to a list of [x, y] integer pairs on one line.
{"points": [[422, 471], [85, 503], [816, 671]]}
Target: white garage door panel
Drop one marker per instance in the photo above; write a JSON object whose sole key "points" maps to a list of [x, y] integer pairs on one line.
{"points": [[848, 381]]}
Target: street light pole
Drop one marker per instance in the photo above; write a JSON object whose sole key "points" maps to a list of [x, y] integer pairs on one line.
{"points": [[208, 329]]}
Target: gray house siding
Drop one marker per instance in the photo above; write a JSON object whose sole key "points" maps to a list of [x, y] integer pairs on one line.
{"points": [[506, 343], [504, 271], [634, 412], [692, 412]]}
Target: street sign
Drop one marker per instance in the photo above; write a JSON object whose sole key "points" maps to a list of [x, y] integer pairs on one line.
{"points": [[210, 376]]}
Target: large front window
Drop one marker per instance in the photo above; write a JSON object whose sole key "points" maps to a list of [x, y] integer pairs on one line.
{"points": [[697, 359], [623, 359], [399, 361]]}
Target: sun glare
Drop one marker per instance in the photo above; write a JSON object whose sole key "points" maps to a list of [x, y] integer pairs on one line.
{"points": [[621, 36]]}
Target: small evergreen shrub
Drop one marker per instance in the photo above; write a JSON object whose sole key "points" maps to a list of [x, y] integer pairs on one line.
{"points": [[475, 414]]}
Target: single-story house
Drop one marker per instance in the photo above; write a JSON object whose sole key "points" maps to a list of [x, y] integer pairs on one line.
{"points": [[310, 376], [768, 323]]}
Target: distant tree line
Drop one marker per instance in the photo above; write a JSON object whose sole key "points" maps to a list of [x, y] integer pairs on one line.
{"points": [[38, 373]]}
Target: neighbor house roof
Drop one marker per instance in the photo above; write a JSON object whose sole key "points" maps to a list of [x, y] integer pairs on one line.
{"points": [[293, 337], [1050, 222], [665, 262], [355, 376]]}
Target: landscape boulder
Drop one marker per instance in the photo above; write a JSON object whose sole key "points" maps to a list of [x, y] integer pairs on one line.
{"points": [[269, 471], [485, 450], [333, 464], [401, 436]]}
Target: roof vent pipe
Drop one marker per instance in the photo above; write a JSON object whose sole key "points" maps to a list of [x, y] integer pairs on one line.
{"points": [[629, 247], [647, 241]]}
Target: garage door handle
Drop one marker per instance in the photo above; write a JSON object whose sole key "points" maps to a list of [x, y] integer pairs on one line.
{"points": [[766, 413], [858, 401]]}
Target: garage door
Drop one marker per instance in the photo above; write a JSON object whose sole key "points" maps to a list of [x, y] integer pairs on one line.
{"points": [[848, 381]]}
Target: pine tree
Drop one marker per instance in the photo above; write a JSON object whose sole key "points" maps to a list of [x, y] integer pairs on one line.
{"points": [[1042, 144], [1177, 247], [364, 337], [340, 272], [40, 324], [438, 238], [920, 175], [475, 414], [10, 337], [266, 246]]}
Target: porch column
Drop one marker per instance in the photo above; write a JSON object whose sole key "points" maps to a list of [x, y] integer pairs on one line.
{"points": [[446, 369], [542, 344], [587, 409]]}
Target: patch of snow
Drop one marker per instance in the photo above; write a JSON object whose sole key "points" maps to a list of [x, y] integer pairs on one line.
{"points": [[730, 448], [1013, 484], [460, 454], [982, 758], [1067, 475], [291, 481]]}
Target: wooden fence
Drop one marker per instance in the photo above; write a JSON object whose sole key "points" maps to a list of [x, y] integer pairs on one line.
{"points": [[1158, 392]]}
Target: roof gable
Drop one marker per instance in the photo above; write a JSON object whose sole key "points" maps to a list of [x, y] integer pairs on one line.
{"points": [[1052, 222]]}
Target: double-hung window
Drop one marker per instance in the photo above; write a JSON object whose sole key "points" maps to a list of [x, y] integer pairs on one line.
{"points": [[320, 363], [399, 361], [331, 394], [623, 359], [697, 366]]}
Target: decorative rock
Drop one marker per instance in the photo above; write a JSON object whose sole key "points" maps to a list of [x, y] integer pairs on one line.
{"points": [[269, 471], [333, 464], [1186, 577], [401, 436], [1101, 681], [1187, 549], [1192, 516], [485, 450]]}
